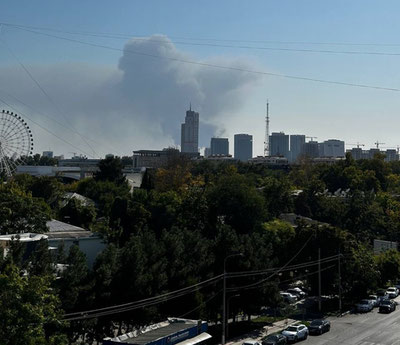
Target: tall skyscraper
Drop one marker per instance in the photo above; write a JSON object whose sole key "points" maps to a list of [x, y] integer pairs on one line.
{"points": [[243, 147], [279, 144], [190, 132], [219, 146], [296, 146]]}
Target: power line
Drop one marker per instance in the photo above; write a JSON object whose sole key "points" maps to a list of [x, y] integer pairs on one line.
{"points": [[141, 303], [44, 92], [127, 35], [45, 129], [277, 271], [219, 45], [205, 64], [51, 118]]}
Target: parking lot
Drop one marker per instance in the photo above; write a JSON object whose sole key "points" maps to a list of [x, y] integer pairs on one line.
{"points": [[372, 328]]}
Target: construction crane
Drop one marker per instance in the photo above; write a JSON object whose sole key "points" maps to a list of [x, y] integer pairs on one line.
{"points": [[358, 145], [378, 143], [312, 138]]}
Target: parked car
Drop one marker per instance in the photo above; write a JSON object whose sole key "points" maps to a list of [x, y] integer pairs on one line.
{"points": [[296, 332], [319, 326], [288, 297], [387, 306], [251, 342], [382, 296], [392, 292], [297, 292], [276, 339], [364, 305], [374, 300]]}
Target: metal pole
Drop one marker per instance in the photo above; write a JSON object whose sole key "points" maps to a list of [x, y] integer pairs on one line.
{"points": [[223, 307], [319, 279], [340, 284]]}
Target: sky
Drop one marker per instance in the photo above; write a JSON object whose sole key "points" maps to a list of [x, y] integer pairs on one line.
{"points": [[97, 77]]}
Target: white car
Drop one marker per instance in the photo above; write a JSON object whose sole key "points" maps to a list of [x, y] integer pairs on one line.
{"points": [[288, 297], [374, 299], [297, 292], [296, 332], [251, 342], [364, 305], [392, 292]]}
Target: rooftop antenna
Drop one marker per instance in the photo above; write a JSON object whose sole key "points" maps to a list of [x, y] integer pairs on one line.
{"points": [[190, 106], [266, 141]]}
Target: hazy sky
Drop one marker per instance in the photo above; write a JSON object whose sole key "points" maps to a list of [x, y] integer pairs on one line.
{"points": [[132, 93]]}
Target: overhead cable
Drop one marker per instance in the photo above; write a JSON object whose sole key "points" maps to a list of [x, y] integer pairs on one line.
{"points": [[211, 65]]}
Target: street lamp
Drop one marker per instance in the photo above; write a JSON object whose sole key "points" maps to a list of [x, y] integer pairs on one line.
{"points": [[227, 312], [224, 297]]}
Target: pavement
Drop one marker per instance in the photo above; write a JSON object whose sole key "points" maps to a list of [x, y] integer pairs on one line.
{"points": [[352, 328]]}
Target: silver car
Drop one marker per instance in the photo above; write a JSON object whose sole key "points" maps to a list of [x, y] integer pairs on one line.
{"points": [[364, 306], [296, 332]]}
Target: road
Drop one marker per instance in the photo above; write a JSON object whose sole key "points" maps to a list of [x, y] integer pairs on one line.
{"points": [[361, 329], [370, 328]]}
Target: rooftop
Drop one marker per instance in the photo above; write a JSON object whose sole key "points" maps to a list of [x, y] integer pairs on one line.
{"points": [[156, 331], [59, 229]]}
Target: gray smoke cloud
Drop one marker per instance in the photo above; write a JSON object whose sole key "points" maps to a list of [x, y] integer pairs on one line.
{"points": [[140, 104]]}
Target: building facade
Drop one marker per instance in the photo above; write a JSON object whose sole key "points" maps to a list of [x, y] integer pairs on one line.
{"points": [[279, 144], [243, 150], [311, 149], [332, 148], [297, 142], [219, 146], [190, 132]]}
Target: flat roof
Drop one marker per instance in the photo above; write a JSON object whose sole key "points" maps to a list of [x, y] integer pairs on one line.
{"points": [[158, 333]]}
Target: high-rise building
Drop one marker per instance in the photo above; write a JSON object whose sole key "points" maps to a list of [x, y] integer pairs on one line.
{"points": [[357, 153], [311, 149], [190, 132], [279, 144], [219, 146], [332, 148], [207, 152], [296, 146], [48, 154], [391, 155], [243, 147]]}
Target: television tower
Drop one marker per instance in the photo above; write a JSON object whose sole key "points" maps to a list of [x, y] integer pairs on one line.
{"points": [[266, 141]]}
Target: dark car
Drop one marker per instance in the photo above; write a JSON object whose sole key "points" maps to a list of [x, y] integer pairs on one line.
{"points": [[275, 340], [387, 306], [319, 326]]}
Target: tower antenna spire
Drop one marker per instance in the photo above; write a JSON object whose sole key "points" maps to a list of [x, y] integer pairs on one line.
{"points": [[266, 141]]}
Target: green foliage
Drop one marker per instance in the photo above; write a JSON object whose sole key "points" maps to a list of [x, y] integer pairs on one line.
{"points": [[77, 214], [110, 169], [388, 264], [20, 212], [28, 307]]}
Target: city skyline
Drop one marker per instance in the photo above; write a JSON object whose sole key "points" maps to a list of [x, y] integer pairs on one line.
{"points": [[129, 81]]}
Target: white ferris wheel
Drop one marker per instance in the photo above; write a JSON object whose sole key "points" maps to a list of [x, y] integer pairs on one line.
{"points": [[16, 142]]}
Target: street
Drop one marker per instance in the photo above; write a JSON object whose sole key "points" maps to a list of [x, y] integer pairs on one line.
{"points": [[370, 328]]}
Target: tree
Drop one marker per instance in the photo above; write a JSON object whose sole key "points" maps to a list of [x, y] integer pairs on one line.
{"points": [[388, 264], [20, 212], [77, 214], [29, 309], [110, 169]]}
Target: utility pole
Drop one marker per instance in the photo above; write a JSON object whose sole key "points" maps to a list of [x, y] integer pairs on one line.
{"points": [[340, 284], [266, 141], [224, 298], [319, 279]]}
